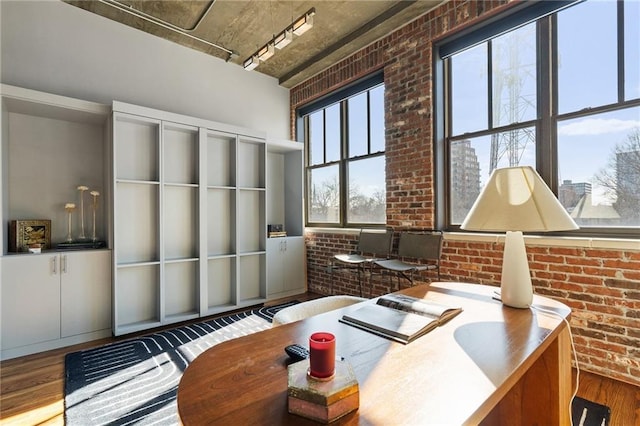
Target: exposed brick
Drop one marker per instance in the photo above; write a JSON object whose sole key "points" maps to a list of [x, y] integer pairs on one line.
{"points": [[622, 284], [601, 286]]}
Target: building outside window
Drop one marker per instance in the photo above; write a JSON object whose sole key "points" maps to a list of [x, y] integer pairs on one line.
{"points": [[345, 168], [560, 93]]}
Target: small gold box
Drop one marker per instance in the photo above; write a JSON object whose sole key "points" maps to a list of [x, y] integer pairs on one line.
{"points": [[25, 233], [322, 400]]}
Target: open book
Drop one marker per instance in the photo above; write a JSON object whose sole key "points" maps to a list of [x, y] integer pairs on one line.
{"points": [[399, 317]]}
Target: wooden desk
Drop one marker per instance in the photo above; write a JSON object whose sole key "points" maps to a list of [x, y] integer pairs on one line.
{"points": [[489, 365]]}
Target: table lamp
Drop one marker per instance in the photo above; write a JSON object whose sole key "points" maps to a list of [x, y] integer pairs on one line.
{"points": [[516, 199]]}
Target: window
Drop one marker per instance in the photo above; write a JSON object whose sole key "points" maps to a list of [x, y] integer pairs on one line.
{"points": [[560, 93], [345, 169]]}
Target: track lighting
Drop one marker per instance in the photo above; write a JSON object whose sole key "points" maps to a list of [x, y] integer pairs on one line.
{"points": [[298, 27]]}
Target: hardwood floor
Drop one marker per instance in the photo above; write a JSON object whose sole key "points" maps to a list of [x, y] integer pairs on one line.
{"points": [[622, 398], [32, 388]]}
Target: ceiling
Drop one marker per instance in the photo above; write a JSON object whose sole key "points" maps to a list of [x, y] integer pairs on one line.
{"points": [[234, 30]]}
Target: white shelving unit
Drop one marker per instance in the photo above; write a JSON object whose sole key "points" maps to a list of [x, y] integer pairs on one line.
{"points": [[50, 145], [190, 223], [286, 267], [184, 206]]}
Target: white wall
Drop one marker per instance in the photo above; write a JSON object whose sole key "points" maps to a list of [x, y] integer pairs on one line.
{"points": [[54, 47]]}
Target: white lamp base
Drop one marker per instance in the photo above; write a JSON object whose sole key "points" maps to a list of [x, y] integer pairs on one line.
{"points": [[515, 289]]}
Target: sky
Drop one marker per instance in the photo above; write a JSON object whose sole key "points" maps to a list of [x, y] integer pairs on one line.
{"points": [[587, 77]]}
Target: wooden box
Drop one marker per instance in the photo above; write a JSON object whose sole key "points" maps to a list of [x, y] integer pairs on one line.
{"points": [[322, 401], [24, 233]]}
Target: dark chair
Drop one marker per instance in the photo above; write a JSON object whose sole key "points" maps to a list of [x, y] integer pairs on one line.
{"points": [[373, 244], [423, 249]]}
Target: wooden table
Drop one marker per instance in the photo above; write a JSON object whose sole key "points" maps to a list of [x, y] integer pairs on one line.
{"points": [[491, 364]]}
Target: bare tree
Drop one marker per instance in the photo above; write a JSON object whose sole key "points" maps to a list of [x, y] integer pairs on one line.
{"points": [[362, 208], [621, 178], [366, 208], [324, 197]]}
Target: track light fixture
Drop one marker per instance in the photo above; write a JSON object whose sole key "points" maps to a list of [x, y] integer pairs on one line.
{"points": [[251, 63], [280, 41], [303, 24], [283, 39]]}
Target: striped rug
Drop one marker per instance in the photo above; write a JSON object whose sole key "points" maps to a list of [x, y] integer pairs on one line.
{"points": [[136, 381]]}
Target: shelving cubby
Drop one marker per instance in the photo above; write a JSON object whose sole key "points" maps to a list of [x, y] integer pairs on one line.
{"points": [[221, 152], [251, 214], [221, 284], [50, 145], [253, 288], [251, 163], [221, 221], [181, 290]]}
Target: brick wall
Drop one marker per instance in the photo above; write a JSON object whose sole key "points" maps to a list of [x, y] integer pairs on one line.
{"points": [[601, 285]]}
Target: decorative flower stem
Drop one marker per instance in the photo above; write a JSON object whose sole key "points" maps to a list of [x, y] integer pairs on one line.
{"points": [[94, 205], [69, 207], [82, 188]]}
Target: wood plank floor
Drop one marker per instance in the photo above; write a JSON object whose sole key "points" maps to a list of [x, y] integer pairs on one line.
{"points": [[32, 388]]}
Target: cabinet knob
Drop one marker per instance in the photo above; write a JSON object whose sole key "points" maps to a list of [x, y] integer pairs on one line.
{"points": [[54, 265], [63, 264]]}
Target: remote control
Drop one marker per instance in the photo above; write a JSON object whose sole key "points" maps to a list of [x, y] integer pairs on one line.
{"points": [[297, 352]]}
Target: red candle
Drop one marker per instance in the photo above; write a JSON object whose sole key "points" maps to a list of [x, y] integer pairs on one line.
{"points": [[322, 355]]}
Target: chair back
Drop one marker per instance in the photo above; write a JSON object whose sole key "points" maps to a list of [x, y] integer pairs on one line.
{"points": [[420, 245], [375, 242]]}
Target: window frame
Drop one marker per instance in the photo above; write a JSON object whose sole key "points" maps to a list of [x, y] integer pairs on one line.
{"points": [[547, 116], [341, 97]]}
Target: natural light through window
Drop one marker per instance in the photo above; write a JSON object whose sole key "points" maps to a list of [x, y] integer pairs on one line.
{"points": [[571, 110], [346, 183]]}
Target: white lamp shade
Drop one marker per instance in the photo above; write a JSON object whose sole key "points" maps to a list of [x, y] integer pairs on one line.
{"points": [[517, 199]]}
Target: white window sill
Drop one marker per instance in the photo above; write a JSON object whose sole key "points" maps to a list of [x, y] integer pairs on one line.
{"points": [[534, 240], [554, 241]]}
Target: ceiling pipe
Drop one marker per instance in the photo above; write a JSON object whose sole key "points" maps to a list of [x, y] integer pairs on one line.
{"points": [[169, 26], [177, 27]]}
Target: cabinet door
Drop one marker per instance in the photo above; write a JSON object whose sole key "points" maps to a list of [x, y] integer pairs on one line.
{"points": [[293, 264], [30, 293], [86, 292], [275, 265]]}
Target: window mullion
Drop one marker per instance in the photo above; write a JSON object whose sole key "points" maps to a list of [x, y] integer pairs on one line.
{"points": [[324, 136], [490, 84], [621, 64], [546, 159], [344, 156], [368, 122]]}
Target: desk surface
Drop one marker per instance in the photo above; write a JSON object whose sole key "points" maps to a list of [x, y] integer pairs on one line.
{"points": [[456, 374]]}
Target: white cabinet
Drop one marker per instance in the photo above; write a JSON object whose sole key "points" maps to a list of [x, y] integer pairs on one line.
{"points": [[189, 217], [54, 299], [286, 269], [286, 266], [85, 292], [30, 300]]}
